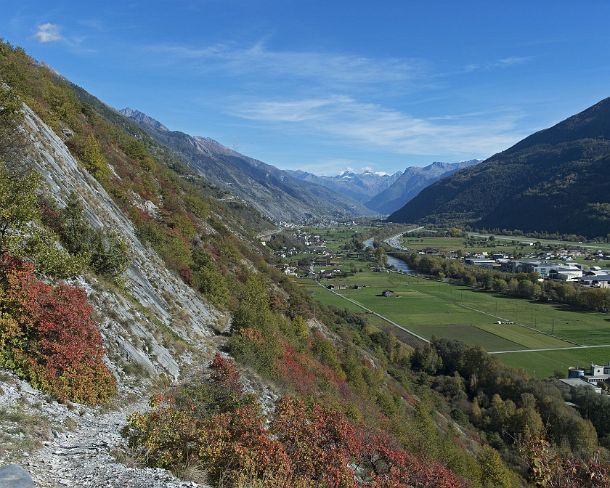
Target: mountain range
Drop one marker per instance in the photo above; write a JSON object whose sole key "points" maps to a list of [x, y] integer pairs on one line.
{"points": [[276, 193], [556, 180], [358, 186], [294, 195], [413, 180]]}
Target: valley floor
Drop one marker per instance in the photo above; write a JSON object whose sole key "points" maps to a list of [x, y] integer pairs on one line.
{"points": [[543, 338]]}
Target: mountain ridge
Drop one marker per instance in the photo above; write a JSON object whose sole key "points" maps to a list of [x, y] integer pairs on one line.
{"points": [[555, 180], [413, 180], [272, 191], [358, 186]]}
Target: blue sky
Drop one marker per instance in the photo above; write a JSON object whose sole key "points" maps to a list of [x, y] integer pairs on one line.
{"points": [[325, 86]]}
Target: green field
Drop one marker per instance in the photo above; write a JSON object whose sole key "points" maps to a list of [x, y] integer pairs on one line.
{"points": [[431, 308], [586, 245], [545, 363]]}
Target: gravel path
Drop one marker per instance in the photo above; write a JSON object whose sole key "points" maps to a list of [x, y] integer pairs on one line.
{"points": [[82, 458], [80, 442]]}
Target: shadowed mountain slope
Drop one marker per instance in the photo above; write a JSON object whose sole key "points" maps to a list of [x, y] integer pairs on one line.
{"points": [[556, 180]]}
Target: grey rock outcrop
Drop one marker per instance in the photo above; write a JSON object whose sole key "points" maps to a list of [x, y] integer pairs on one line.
{"points": [[14, 476], [141, 322]]}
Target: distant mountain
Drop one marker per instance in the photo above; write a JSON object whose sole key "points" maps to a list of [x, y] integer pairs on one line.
{"points": [[556, 180], [411, 182], [143, 119], [274, 192], [357, 186]]}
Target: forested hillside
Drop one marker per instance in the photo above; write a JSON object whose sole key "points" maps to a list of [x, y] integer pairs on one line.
{"points": [[557, 180]]}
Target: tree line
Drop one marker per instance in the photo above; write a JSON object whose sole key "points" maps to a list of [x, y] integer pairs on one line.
{"points": [[522, 285]]}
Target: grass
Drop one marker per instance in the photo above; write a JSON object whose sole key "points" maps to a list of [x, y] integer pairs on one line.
{"points": [[587, 245], [21, 433], [544, 363], [431, 308], [502, 245]]}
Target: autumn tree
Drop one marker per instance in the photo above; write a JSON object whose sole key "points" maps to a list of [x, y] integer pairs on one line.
{"points": [[93, 159], [12, 139], [47, 336], [494, 473]]}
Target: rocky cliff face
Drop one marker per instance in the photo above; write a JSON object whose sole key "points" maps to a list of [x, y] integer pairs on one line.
{"points": [[153, 326], [154, 302]]}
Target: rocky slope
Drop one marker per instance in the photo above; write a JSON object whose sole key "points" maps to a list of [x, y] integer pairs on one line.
{"points": [[556, 180], [153, 326], [412, 181], [79, 446], [160, 294], [274, 192]]}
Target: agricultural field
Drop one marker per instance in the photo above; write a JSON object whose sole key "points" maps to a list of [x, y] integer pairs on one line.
{"points": [[511, 245], [545, 363], [448, 244], [587, 245], [431, 308]]}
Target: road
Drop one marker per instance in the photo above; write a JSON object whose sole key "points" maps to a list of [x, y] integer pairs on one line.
{"points": [[552, 349], [394, 241], [268, 233]]}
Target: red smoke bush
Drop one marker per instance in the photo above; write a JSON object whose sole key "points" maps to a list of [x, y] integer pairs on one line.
{"points": [[52, 340], [225, 373], [300, 444]]}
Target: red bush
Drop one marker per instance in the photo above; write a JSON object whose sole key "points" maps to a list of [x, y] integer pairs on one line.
{"points": [[321, 444], [225, 373], [396, 468], [304, 445], [292, 370], [57, 345], [236, 447]]}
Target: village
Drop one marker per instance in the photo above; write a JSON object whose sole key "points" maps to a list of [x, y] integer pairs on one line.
{"points": [[306, 254]]}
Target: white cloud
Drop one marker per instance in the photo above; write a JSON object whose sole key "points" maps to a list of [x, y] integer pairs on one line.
{"points": [[374, 125], [48, 32], [345, 68], [499, 63]]}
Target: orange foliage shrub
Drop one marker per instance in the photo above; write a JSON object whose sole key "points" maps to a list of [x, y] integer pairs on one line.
{"points": [[47, 336], [300, 445], [225, 373], [550, 469]]}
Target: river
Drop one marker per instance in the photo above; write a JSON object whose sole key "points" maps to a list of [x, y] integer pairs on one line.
{"points": [[398, 264]]}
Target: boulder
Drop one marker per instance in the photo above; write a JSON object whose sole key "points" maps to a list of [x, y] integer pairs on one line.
{"points": [[14, 476]]}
